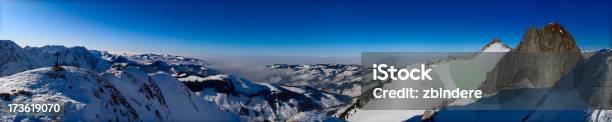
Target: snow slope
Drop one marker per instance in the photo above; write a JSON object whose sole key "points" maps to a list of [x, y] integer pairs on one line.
{"points": [[90, 96]]}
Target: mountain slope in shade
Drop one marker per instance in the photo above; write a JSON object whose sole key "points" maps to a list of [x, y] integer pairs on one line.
{"points": [[542, 58], [586, 86], [580, 94]]}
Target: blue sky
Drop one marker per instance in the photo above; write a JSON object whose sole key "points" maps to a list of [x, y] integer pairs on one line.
{"points": [[295, 27]]}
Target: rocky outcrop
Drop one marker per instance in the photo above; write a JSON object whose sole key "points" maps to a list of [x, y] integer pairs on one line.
{"points": [[542, 58]]}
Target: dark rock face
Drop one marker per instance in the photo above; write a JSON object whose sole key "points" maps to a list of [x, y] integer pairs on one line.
{"points": [[552, 38], [543, 57]]}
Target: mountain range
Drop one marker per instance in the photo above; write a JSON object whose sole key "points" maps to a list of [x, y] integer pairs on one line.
{"points": [[100, 86], [96, 85]]}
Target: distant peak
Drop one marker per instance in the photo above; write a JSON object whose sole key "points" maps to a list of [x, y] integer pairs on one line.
{"points": [[495, 43]]}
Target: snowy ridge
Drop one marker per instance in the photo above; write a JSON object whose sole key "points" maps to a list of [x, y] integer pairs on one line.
{"points": [[114, 96], [75, 56], [129, 91], [16, 59], [83, 93]]}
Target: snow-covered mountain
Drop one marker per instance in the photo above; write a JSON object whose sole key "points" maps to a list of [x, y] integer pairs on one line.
{"points": [[100, 86], [252, 101], [335, 78], [97, 85], [17, 59], [116, 95], [263, 101]]}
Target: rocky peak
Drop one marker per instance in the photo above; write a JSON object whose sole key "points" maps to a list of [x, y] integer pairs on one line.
{"points": [[495, 40], [551, 38], [542, 58]]}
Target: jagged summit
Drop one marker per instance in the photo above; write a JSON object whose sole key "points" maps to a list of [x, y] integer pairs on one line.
{"points": [[551, 38], [554, 26], [542, 57], [495, 40], [496, 45]]}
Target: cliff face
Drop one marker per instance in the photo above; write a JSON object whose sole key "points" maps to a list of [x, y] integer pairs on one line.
{"points": [[542, 58], [551, 38]]}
